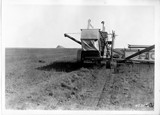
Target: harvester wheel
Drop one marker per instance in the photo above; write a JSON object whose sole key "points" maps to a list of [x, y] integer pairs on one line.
{"points": [[79, 56], [98, 62], [113, 64], [108, 64]]}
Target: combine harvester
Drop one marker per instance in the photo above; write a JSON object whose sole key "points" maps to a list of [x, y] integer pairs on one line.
{"points": [[98, 45]]}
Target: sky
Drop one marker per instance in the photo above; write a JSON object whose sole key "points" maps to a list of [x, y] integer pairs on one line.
{"points": [[42, 25]]}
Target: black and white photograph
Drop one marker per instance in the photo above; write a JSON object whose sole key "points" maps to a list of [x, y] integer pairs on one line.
{"points": [[82, 56]]}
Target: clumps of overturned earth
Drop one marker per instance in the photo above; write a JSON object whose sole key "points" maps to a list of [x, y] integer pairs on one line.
{"points": [[70, 90], [57, 91]]}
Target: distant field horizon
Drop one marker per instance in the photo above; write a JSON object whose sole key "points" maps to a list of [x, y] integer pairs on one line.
{"points": [[37, 48]]}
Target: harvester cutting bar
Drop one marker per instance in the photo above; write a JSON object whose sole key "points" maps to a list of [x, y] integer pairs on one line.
{"points": [[66, 35], [140, 52], [137, 46]]}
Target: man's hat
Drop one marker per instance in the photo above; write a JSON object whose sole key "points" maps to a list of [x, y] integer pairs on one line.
{"points": [[102, 22]]}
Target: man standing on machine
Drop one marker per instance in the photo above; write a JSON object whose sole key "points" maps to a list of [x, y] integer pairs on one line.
{"points": [[103, 39]]}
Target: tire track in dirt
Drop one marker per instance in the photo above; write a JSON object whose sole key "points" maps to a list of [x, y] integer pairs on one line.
{"points": [[107, 79], [103, 75]]}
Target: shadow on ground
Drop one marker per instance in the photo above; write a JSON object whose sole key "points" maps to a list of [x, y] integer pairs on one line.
{"points": [[63, 66]]}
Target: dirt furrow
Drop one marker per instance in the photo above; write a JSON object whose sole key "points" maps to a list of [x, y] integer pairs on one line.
{"points": [[102, 76], [107, 80]]}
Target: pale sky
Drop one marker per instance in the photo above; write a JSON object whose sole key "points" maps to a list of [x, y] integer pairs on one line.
{"points": [[43, 25]]}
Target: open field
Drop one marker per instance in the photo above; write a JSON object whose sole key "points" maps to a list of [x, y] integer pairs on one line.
{"points": [[49, 79]]}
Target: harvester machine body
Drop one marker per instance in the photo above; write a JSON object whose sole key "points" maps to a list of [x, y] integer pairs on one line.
{"points": [[96, 45], [90, 40]]}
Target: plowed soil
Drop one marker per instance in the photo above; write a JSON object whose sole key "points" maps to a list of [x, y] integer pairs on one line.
{"points": [[51, 79]]}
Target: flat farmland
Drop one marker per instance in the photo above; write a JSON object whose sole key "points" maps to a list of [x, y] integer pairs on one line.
{"points": [[51, 79]]}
